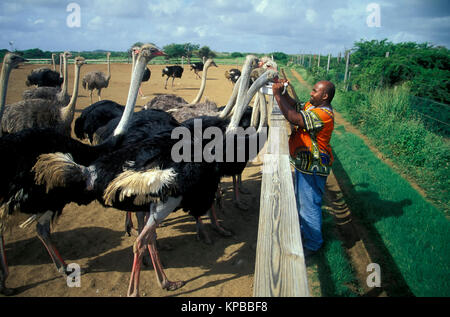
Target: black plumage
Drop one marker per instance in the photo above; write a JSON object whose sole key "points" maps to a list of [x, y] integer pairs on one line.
{"points": [[96, 116], [172, 71], [147, 74], [44, 77]]}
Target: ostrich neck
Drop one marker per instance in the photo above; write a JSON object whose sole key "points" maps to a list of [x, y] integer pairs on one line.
{"points": [[109, 69], [136, 80], [4, 77], [245, 80], [66, 79], [60, 66], [68, 111], [134, 63], [53, 62], [231, 101], [203, 85]]}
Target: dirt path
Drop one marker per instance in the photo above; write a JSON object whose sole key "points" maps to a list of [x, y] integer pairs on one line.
{"points": [[93, 237]]}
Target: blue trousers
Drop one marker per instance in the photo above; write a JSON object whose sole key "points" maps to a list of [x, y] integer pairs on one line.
{"points": [[309, 191]]}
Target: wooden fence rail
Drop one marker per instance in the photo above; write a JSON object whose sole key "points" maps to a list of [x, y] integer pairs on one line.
{"points": [[280, 266]]}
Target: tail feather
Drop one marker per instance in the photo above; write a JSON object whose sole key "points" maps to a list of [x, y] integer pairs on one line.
{"points": [[58, 170], [144, 185]]}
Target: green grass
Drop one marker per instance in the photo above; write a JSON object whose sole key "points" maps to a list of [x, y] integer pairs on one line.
{"points": [[413, 236], [331, 266]]}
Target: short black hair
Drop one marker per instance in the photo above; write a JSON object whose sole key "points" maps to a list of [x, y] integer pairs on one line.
{"points": [[330, 90]]}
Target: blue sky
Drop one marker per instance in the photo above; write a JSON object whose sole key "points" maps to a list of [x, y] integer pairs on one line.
{"points": [[259, 26]]}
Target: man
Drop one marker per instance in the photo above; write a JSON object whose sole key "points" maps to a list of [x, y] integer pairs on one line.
{"points": [[310, 154]]}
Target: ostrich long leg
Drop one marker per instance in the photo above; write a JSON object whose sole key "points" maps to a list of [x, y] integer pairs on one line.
{"points": [[128, 224], [43, 233], [241, 188], [201, 231], [148, 238], [236, 198], [215, 223]]}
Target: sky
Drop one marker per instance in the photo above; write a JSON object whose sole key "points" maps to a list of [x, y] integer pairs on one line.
{"points": [[250, 26]]}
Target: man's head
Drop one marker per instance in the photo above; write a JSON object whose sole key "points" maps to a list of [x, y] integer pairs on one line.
{"points": [[322, 93]]}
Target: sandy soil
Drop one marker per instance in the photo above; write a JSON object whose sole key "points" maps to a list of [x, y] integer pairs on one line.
{"points": [[93, 237]]}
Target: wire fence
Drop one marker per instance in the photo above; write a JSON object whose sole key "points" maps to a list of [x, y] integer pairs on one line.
{"points": [[172, 61]]}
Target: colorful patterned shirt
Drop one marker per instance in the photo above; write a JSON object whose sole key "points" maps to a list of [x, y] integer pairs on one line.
{"points": [[309, 147]]}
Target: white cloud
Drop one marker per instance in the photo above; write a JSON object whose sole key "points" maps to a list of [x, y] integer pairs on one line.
{"points": [[311, 16], [164, 7], [39, 21], [261, 6]]}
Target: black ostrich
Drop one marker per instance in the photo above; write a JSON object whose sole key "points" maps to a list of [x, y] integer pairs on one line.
{"points": [[57, 94], [233, 75], [144, 173], [20, 193], [44, 77]]}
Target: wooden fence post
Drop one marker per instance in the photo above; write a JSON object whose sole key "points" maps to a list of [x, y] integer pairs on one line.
{"points": [[280, 269], [328, 64], [346, 66]]}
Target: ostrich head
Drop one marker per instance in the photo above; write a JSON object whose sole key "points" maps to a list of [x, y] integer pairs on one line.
{"points": [[146, 53], [12, 60], [80, 61], [67, 54]]}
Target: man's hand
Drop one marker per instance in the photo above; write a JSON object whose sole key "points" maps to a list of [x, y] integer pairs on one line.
{"points": [[279, 87]]}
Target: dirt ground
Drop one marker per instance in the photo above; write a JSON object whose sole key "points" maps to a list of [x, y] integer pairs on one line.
{"points": [[93, 237]]}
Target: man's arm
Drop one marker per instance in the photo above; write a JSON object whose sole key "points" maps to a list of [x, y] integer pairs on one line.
{"points": [[287, 106]]}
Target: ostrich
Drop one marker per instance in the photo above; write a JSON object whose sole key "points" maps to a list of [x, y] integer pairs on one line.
{"points": [[97, 80], [174, 71], [44, 77], [147, 73], [233, 75], [52, 93], [198, 67], [143, 174], [10, 61], [43, 113], [18, 191]]}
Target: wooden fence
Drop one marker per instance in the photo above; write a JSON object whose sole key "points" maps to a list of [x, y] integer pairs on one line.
{"points": [[280, 266]]}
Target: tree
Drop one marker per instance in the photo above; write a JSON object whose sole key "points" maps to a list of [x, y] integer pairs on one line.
{"points": [[206, 52], [174, 50], [189, 49]]}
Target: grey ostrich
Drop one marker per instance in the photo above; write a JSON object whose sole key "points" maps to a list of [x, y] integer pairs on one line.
{"points": [[42, 113], [97, 80], [10, 61], [52, 93]]}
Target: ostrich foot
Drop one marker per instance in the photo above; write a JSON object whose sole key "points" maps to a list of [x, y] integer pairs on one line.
{"points": [[171, 286], [202, 235], [66, 272], [7, 291], [222, 230]]}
